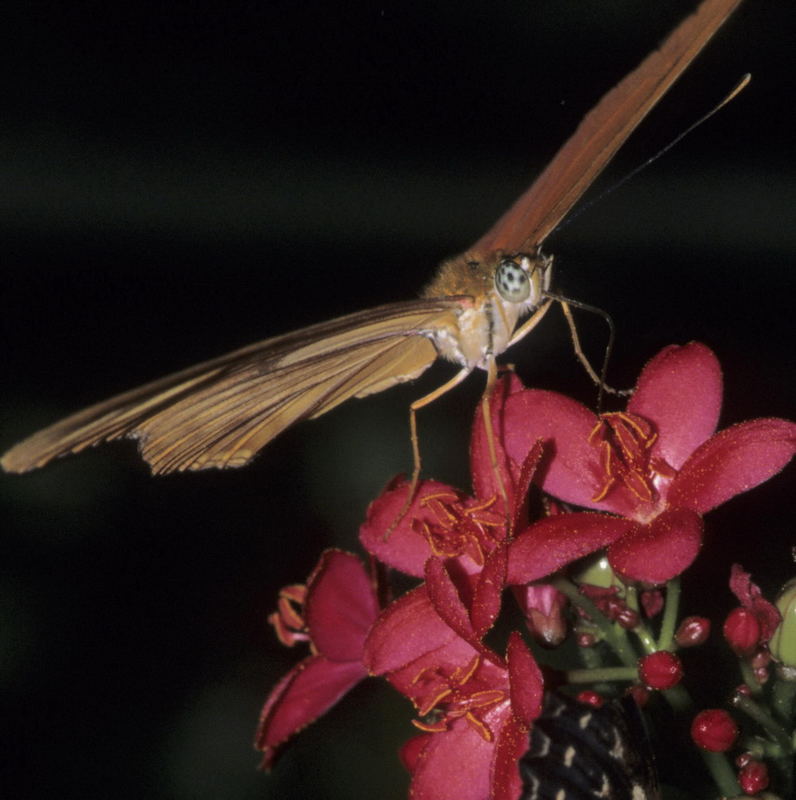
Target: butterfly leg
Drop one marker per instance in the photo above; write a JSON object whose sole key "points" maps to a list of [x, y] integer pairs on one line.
{"points": [[530, 323], [416, 465], [491, 379], [599, 380]]}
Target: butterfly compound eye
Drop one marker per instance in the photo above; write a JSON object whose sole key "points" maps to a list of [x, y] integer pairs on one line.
{"points": [[512, 281]]}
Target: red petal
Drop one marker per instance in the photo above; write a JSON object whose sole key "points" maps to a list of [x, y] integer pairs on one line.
{"points": [[571, 469], [411, 749], [454, 765], [525, 477], [660, 551], [341, 606], [488, 588], [511, 745], [526, 685], [406, 630], [732, 461], [422, 680], [750, 596], [446, 599], [548, 545], [742, 587], [680, 391], [307, 691], [402, 547]]}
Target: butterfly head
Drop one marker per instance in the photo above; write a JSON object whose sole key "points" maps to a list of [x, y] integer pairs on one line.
{"points": [[517, 280], [492, 291]]}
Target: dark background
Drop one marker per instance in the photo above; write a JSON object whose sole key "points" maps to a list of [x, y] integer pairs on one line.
{"points": [[181, 180]]}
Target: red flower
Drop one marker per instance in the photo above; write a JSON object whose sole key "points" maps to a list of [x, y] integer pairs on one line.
{"points": [[339, 607], [475, 708], [458, 543], [658, 467], [751, 599], [445, 523]]}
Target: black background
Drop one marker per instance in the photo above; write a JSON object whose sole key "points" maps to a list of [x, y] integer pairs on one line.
{"points": [[180, 180]]}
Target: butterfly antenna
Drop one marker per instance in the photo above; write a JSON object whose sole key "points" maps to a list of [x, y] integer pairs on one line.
{"points": [[567, 304], [736, 90]]}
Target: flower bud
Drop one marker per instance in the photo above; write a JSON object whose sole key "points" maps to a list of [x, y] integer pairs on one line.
{"points": [[652, 602], [692, 631], [742, 631], [783, 642], [753, 777], [660, 670], [626, 617], [597, 573], [544, 608], [714, 730]]}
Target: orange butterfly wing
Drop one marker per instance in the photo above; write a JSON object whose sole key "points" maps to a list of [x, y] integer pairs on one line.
{"points": [[600, 134]]}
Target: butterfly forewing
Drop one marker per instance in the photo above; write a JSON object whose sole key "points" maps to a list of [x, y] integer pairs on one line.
{"points": [[600, 134], [221, 412]]}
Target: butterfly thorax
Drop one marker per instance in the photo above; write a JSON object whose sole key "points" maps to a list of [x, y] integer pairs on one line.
{"points": [[496, 289]]}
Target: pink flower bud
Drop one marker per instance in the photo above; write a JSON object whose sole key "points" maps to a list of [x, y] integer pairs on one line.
{"points": [[714, 730], [753, 777], [660, 670], [652, 602], [627, 618], [761, 675], [761, 659], [742, 631], [545, 617], [692, 631]]}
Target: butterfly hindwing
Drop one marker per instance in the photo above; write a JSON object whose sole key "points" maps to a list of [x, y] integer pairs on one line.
{"points": [[579, 752]]}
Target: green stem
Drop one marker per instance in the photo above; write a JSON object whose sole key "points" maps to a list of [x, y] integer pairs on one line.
{"points": [[631, 597], [723, 774], [646, 638], [749, 678], [781, 740], [608, 674], [782, 697], [611, 632], [670, 611], [642, 631], [590, 657], [679, 699], [767, 722]]}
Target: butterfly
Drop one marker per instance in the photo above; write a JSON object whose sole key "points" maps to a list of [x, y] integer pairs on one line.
{"points": [[222, 412], [579, 752]]}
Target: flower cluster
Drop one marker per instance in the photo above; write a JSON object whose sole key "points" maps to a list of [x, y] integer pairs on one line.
{"points": [[641, 480]]}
